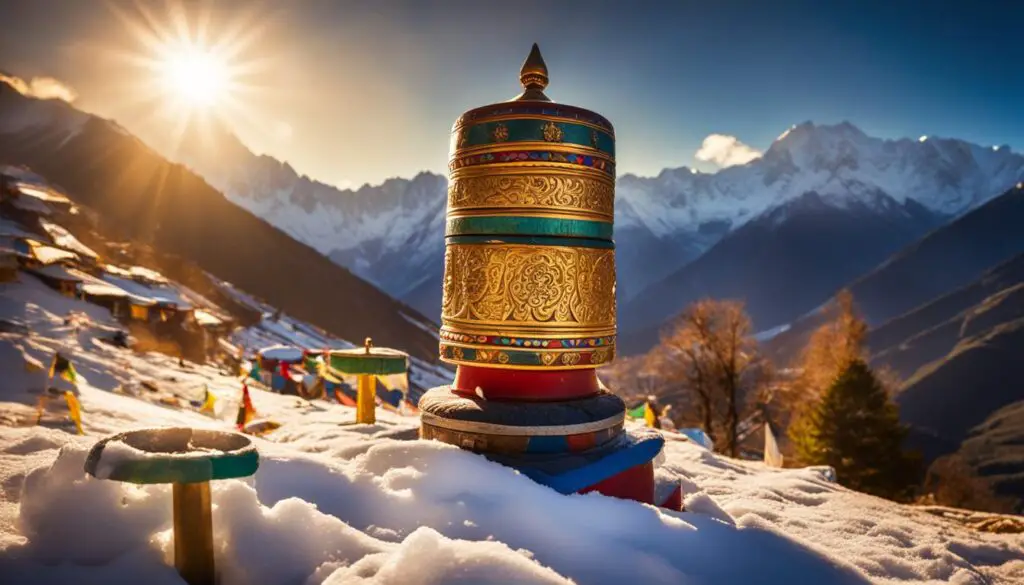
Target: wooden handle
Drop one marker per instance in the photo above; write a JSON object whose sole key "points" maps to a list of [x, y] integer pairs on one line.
{"points": [[193, 533]]}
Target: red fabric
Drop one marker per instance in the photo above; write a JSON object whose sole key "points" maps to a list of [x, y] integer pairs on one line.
{"points": [[636, 483], [245, 409], [343, 399], [524, 385]]}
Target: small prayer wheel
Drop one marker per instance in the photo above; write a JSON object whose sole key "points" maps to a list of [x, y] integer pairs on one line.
{"points": [[188, 459], [367, 363]]}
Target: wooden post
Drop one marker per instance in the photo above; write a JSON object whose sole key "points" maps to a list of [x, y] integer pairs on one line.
{"points": [[193, 533], [365, 401]]}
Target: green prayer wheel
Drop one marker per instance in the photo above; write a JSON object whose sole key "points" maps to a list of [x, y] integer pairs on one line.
{"points": [[366, 363], [188, 459], [369, 360]]}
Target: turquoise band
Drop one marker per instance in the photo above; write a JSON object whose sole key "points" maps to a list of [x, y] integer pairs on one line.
{"points": [[532, 130], [533, 241], [529, 226]]}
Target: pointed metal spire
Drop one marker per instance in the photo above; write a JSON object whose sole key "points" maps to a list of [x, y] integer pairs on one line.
{"points": [[534, 77]]}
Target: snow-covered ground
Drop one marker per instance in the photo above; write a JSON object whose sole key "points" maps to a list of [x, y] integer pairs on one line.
{"points": [[334, 502]]}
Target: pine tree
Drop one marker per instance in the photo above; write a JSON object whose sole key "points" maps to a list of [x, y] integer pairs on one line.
{"points": [[856, 430]]}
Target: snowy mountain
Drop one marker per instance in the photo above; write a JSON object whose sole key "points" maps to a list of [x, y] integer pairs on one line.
{"points": [[392, 234]]}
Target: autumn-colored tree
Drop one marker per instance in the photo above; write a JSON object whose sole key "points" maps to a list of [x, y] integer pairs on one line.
{"points": [[831, 349], [710, 352]]}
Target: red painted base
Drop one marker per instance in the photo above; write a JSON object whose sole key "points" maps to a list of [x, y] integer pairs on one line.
{"points": [[636, 483], [526, 386]]}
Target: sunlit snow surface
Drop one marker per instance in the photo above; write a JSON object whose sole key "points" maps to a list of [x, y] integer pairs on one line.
{"points": [[339, 503]]}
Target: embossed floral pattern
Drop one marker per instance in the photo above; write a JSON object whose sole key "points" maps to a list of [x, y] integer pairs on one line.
{"points": [[591, 195], [518, 284]]}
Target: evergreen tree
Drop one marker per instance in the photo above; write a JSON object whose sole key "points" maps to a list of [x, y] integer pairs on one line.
{"points": [[855, 429]]}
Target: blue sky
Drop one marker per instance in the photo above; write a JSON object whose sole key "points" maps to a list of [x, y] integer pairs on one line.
{"points": [[369, 90]]}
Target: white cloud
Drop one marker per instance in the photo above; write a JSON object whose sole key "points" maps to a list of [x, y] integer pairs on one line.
{"points": [[41, 87], [726, 151]]}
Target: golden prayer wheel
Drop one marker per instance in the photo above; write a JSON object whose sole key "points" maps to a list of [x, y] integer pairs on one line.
{"points": [[529, 259]]}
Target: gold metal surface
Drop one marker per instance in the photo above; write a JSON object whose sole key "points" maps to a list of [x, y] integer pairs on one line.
{"points": [[545, 280], [193, 533], [527, 166], [547, 288], [569, 193], [565, 147]]}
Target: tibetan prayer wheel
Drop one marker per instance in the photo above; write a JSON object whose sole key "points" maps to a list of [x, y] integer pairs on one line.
{"points": [[529, 281], [367, 363], [528, 309], [188, 459]]}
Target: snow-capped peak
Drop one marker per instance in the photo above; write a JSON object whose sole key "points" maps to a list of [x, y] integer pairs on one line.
{"points": [[392, 233]]}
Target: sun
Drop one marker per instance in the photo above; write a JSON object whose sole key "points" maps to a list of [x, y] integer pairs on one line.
{"points": [[190, 72], [197, 76]]}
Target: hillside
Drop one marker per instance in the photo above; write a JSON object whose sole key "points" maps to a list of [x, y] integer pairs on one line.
{"points": [[946, 399], [782, 263], [946, 259], [993, 450], [142, 197], [931, 331]]}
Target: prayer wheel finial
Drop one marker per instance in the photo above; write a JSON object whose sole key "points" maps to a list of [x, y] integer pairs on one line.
{"points": [[368, 344], [534, 77]]}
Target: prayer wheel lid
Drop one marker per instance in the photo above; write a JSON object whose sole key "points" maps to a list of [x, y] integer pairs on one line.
{"points": [[369, 360], [172, 455], [533, 76]]}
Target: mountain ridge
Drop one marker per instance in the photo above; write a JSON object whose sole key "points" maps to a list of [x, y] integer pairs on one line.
{"points": [[391, 233]]}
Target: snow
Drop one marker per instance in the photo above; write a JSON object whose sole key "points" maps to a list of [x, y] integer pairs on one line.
{"points": [[336, 502], [767, 334], [63, 239], [49, 255], [164, 293], [204, 318], [281, 352], [41, 192], [289, 332]]}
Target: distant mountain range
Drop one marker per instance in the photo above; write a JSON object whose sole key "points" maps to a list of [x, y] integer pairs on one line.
{"points": [[750, 225], [141, 196]]}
